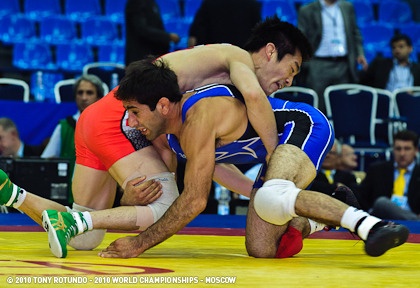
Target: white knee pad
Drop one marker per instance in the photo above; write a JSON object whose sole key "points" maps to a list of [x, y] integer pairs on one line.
{"points": [[275, 201], [170, 193], [88, 240]]}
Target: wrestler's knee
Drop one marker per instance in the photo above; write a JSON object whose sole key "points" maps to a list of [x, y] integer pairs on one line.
{"points": [[275, 201]]}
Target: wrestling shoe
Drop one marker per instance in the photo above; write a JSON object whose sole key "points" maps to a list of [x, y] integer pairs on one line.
{"points": [[346, 195], [384, 236], [9, 192], [61, 227]]}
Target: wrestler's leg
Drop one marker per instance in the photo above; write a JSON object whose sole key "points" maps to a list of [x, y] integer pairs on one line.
{"points": [[93, 188], [292, 164], [285, 240]]}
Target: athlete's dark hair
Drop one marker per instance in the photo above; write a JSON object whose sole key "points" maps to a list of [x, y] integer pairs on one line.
{"points": [[285, 36], [148, 80]]}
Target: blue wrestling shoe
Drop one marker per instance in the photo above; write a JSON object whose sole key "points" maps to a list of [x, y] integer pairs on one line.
{"points": [[61, 227], [384, 236], [9, 192]]}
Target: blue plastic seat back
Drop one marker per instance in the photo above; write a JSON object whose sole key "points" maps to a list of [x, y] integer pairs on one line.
{"points": [[57, 29]]}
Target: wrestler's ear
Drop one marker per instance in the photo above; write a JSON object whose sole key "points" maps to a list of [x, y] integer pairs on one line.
{"points": [[163, 105], [270, 48]]}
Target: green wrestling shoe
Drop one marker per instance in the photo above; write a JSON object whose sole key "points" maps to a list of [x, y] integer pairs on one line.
{"points": [[61, 227], [9, 192]]}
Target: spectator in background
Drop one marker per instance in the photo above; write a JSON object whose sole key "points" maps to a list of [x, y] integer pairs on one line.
{"points": [[396, 72], [145, 32], [331, 27], [391, 189], [330, 177], [10, 143], [348, 158], [87, 90], [224, 21]]}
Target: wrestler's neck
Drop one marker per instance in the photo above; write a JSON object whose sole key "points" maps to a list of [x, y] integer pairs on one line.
{"points": [[174, 119]]}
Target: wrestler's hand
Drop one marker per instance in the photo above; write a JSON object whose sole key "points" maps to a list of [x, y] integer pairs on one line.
{"points": [[126, 247], [140, 192]]}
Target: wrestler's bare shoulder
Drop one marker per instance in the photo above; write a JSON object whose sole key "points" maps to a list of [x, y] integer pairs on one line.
{"points": [[211, 64]]}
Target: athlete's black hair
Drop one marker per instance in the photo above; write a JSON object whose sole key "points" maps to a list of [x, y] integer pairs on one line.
{"points": [[285, 36], [148, 80]]}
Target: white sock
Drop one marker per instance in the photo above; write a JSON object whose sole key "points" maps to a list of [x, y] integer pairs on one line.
{"points": [[315, 226], [88, 225], [21, 197], [83, 221], [352, 216]]}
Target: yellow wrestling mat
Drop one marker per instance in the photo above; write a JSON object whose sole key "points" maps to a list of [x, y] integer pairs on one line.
{"points": [[205, 261]]}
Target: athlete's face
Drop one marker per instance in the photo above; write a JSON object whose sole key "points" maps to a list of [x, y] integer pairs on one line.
{"points": [[274, 74], [149, 123]]}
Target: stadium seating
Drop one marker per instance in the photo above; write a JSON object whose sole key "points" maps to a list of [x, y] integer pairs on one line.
{"points": [[72, 57], [284, 9], [37, 10], [19, 29], [114, 9], [394, 12], [33, 56], [99, 30], [298, 94], [9, 7], [14, 89], [111, 53], [57, 29], [80, 10]]}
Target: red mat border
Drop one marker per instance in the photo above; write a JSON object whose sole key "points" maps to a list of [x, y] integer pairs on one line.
{"points": [[413, 238]]}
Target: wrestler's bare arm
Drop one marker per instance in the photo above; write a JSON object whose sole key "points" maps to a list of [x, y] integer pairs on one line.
{"points": [[223, 64], [233, 179], [200, 150]]}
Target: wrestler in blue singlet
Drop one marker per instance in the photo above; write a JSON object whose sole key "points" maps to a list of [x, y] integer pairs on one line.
{"points": [[298, 124]]}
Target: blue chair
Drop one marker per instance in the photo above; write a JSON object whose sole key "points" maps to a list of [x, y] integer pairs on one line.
{"points": [[111, 53], [37, 10], [376, 36], [64, 90], [284, 9], [364, 11], [169, 9], [394, 12], [14, 89], [20, 29], [407, 102], [99, 30], [80, 10], [110, 73], [114, 9], [57, 29], [386, 120], [33, 56], [412, 30], [352, 110], [298, 94], [9, 7], [73, 56]]}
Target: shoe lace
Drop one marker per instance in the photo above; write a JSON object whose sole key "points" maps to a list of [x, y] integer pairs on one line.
{"points": [[60, 224]]}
